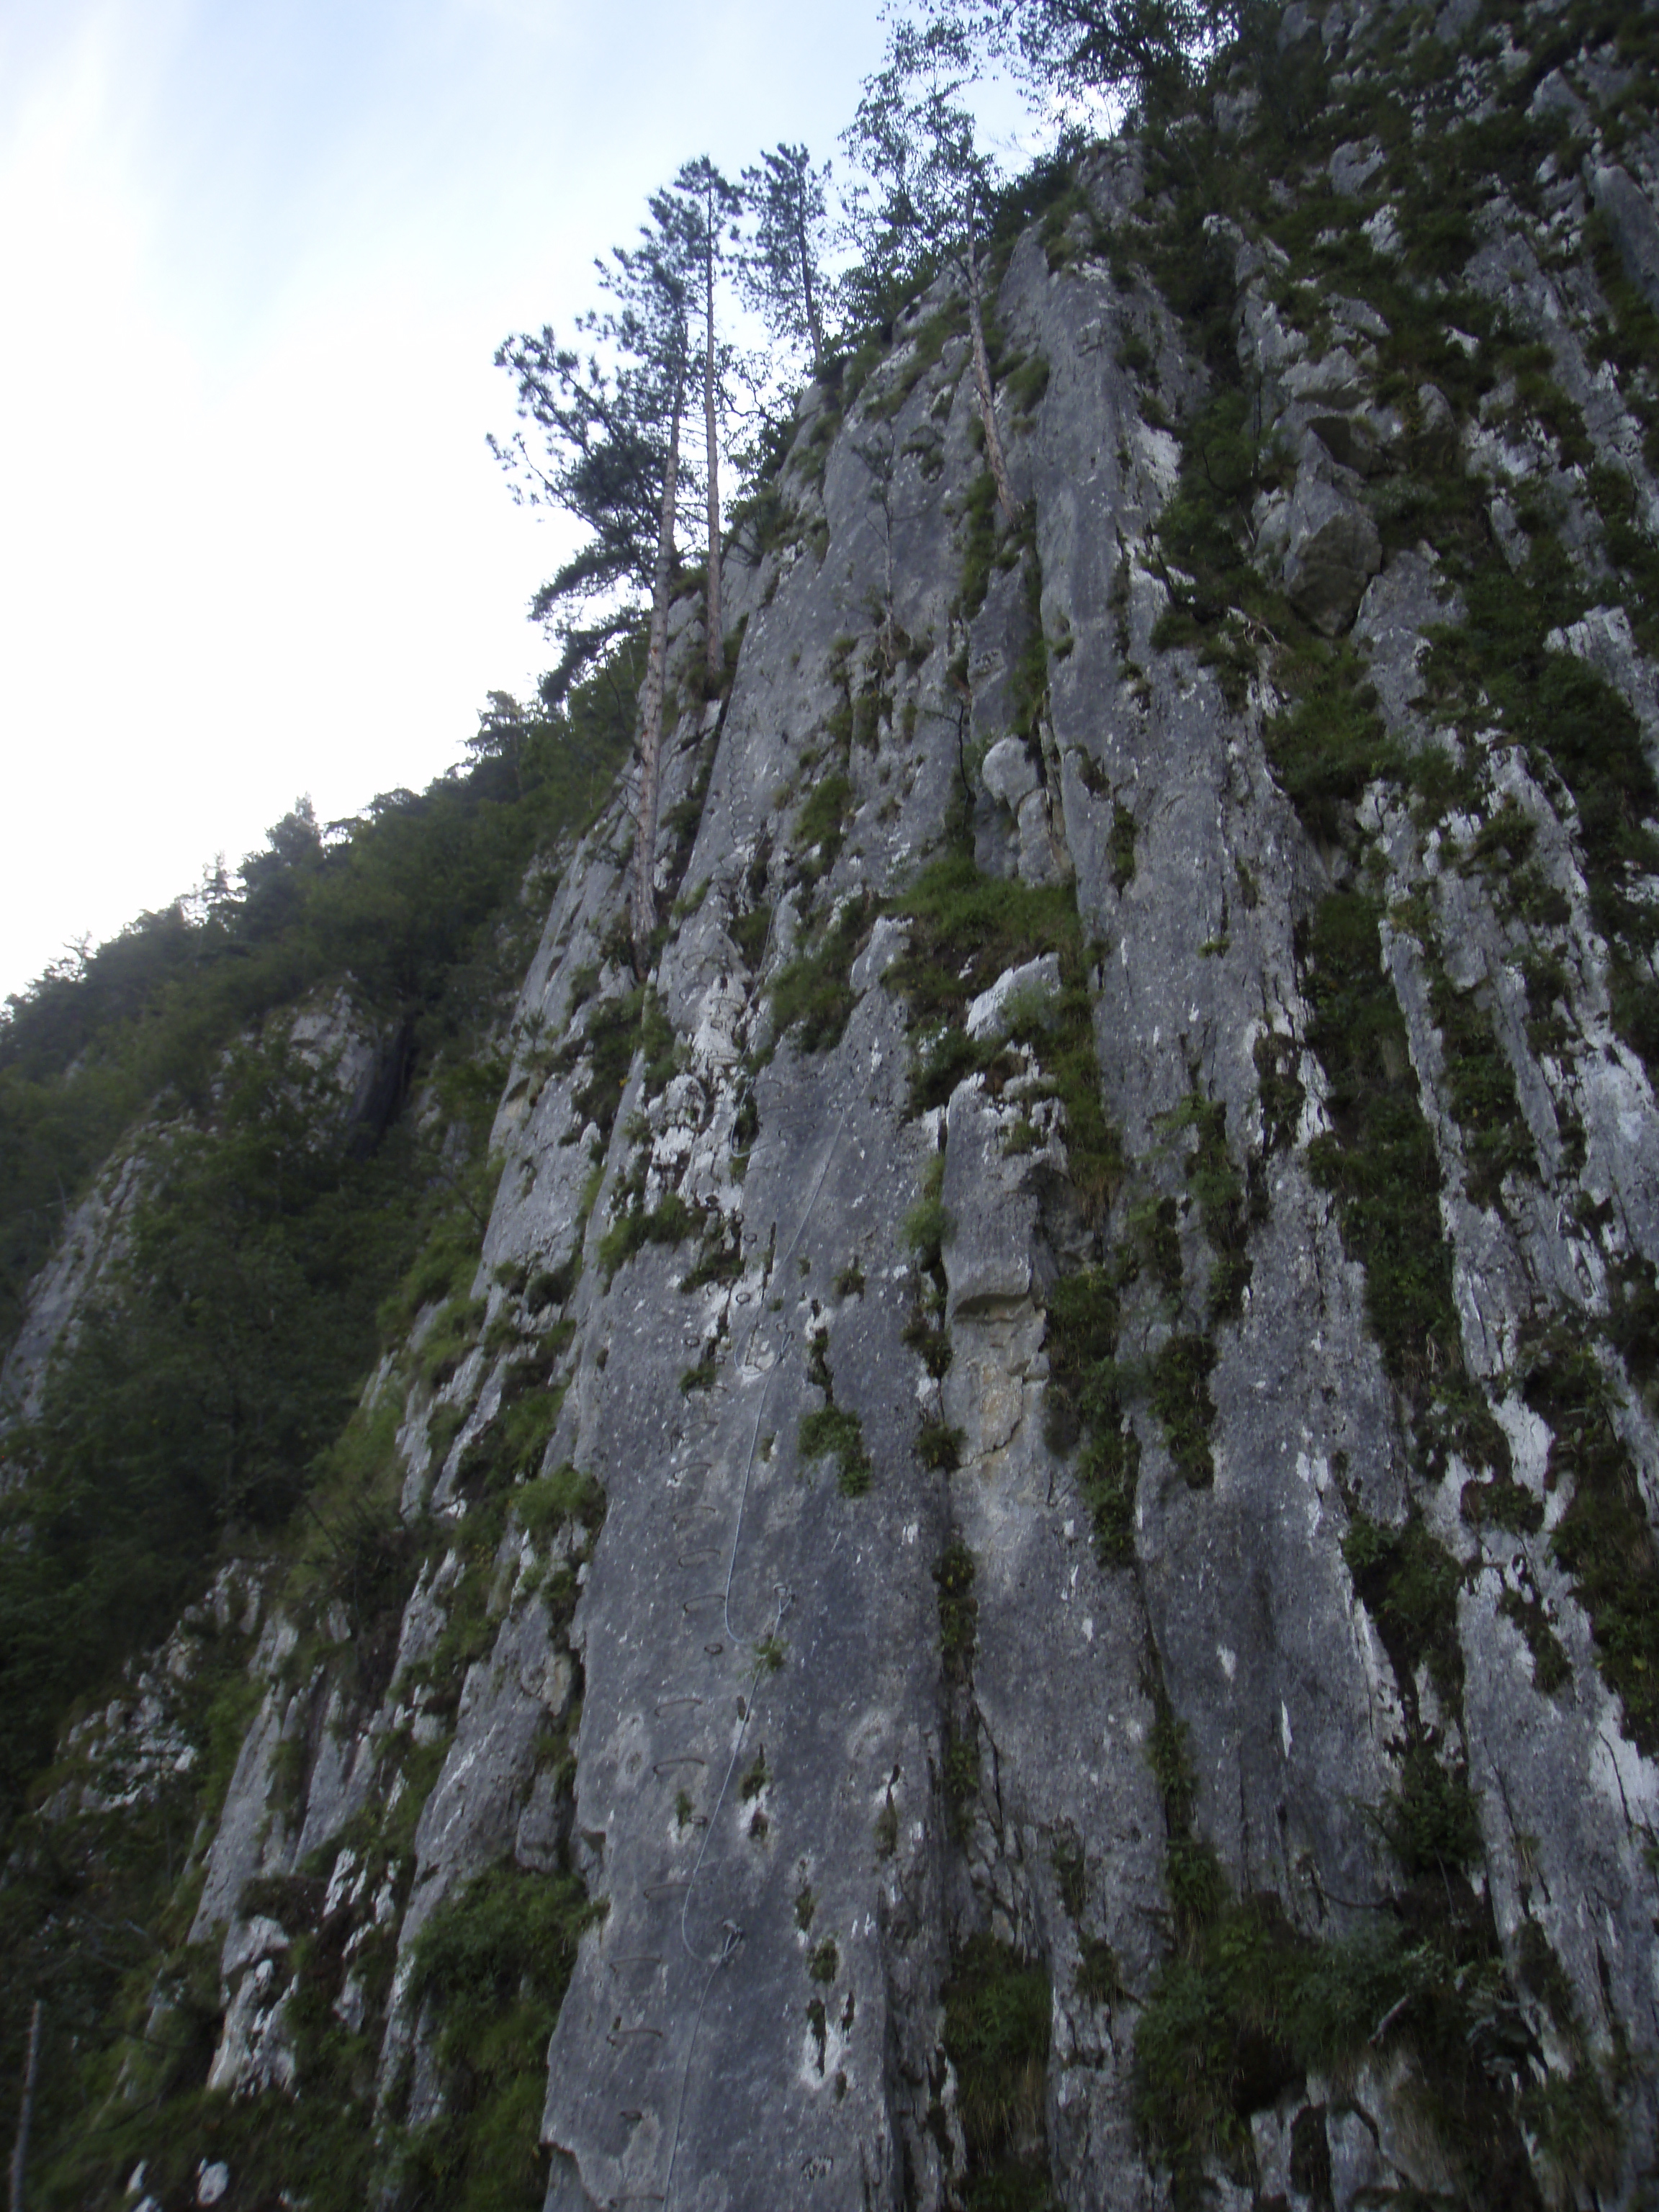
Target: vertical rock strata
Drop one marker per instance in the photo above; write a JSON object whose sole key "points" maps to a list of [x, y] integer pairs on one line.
{"points": [[1016, 1533]]}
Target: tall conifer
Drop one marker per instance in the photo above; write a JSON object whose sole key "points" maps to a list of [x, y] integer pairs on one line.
{"points": [[914, 134]]}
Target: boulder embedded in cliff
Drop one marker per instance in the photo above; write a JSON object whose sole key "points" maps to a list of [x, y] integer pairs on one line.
{"points": [[1009, 773], [1015, 991], [1333, 553]]}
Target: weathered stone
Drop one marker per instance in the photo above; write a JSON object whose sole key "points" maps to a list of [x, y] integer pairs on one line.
{"points": [[987, 1255], [1334, 551], [1008, 772], [1014, 993], [1631, 218], [1352, 166]]}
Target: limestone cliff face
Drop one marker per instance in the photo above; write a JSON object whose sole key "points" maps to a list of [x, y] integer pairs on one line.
{"points": [[1082, 1312]]}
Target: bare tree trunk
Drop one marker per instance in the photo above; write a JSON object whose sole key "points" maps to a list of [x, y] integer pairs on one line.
{"points": [[716, 640], [988, 413], [31, 2073], [645, 837]]}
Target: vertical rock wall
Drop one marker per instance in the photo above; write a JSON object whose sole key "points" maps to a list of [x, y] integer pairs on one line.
{"points": [[1028, 1546]]}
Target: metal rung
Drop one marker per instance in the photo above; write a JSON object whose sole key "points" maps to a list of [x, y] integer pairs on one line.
{"points": [[714, 1650], [704, 1597], [632, 2115], [667, 1704], [632, 2034], [635, 1958], [667, 1765], [697, 1558], [655, 1889]]}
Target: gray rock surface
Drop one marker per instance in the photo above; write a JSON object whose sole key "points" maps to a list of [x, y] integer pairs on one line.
{"points": [[796, 1801], [1635, 227], [1331, 553]]}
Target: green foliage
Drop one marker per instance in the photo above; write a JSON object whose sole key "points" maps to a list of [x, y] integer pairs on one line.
{"points": [[1551, 1669], [224, 1346], [958, 1608], [965, 930], [1603, 1539], [927, 1224], [1206, 526], [701, 1376], [223, 1353], [1244, 2007], [499, 1956], [997, 2010], [566, 1494], [1330, 742], [355, 1547], [608, 1041], [1430, 1824], [1496, 1139], [1085, 1401], [938, 1446], [979, 544], [1379, 1158], [750, 931], [922, 353], [411, 899], [833, 1433], [1121, 847], [719, 1257], [270, 2142], [812, 996], [1247, 2006], [1218, 1187], [1179, 1393], [451, 1336], [821, 825], [1099, 1978], [1408, 1582], [671, 1221]]}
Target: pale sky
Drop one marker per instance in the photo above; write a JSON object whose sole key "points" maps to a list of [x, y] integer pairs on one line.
{"points": [[255, 259]]}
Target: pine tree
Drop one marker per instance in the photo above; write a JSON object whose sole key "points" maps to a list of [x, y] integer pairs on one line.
{"points": [[1140, 51], [710, 205], [916, 135], [782, 267], [611, 428]]}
